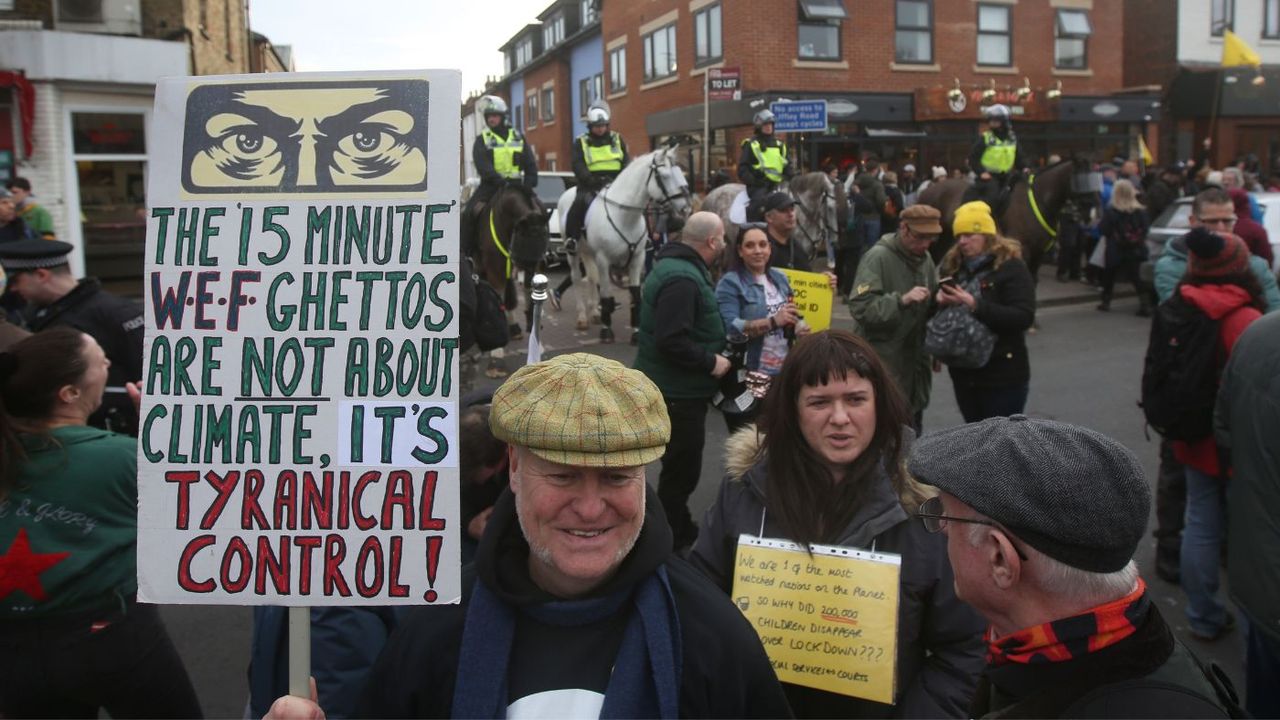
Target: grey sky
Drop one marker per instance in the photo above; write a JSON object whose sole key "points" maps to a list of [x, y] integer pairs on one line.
{"points": [[396, 34]]}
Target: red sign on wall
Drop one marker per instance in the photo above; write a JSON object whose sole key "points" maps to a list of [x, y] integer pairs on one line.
{"points": [[724, 83]]}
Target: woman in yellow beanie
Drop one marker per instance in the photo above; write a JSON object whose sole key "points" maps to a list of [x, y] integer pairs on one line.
{"points": [[994, 284]]}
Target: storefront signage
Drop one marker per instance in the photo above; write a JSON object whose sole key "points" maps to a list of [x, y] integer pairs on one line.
{"points": [[940, 103], [724, 83], [800, 116]]}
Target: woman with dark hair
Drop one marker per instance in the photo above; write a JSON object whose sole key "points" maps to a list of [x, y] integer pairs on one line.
{"points": [[73, 638], [995, 286], [1219, 283], [755, 301], [826, 466]]}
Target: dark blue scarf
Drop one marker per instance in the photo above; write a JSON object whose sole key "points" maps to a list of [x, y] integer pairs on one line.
{"points": [[646, 674]]}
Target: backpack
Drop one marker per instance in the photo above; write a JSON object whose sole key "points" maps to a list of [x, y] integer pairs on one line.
{"points": [[1180, 373], [482, 310]]}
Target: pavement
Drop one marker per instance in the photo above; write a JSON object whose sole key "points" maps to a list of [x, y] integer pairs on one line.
{"points": [[1086, 369]]}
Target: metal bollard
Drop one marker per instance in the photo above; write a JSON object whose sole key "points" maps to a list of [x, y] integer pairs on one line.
{"points": [[539, 296]]}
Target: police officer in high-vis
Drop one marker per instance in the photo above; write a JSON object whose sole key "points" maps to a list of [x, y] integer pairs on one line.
{"points": [[763, 164], [599, 155], [500, 156], [995, 158]]}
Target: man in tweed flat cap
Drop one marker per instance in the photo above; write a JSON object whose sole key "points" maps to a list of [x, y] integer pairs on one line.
{"points": [[575, 606], [1042, 519]]}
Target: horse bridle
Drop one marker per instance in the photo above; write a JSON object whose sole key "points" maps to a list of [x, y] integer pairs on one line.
{"points": [[663, 206], [827, 229]]}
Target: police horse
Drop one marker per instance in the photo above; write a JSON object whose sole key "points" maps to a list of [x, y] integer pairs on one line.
{"points": [[818, 201], [615, 234], [511, 239]]}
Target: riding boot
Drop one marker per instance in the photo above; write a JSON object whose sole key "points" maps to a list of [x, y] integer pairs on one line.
{"points": [[467, 228]]}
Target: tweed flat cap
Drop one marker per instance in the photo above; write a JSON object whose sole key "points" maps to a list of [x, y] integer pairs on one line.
{"points": [[1073, 494], [583, 410], [923, 219]]}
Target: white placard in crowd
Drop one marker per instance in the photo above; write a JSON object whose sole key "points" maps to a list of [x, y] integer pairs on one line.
{"points": [[299, 415]]}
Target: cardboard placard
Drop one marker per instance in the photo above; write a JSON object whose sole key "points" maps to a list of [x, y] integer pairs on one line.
{"points": [[827, 620], [814, 298], [299, 429]]}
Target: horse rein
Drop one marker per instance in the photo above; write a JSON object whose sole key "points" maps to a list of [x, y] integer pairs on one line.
{"points": [[662, 204], [826, 228]]}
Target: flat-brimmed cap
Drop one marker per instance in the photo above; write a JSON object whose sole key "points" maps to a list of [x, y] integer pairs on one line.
{"points": [[923, 219], [1074, 494], [35, 253], [583, 410]]}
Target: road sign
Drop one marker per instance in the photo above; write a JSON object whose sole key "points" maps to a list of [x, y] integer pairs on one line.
{"points": [[724, 83], [800, 116]]}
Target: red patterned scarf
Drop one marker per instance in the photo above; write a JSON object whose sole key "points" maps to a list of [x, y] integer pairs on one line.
{"points": [[1068, 638]]}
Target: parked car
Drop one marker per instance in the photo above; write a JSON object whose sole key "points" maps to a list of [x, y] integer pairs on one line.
{"points": [[551, 185], [1175, 221]]}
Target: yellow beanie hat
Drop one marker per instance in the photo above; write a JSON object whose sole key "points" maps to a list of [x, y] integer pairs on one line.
{"points": [[973, 217]]}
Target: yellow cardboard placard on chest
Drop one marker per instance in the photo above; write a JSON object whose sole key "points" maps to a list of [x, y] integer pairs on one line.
{"points": [[814, 298], [827, 620]]}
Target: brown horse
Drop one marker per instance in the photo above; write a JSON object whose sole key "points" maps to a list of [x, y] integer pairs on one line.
{"points": [[511, 236], [1050, 188]]}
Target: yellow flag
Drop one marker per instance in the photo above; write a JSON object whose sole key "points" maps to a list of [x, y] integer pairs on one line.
{"points": [[1147, 158], [1237, 53]]}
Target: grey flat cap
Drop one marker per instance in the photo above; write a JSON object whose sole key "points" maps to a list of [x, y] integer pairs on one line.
{"points": [[1073, 494]]}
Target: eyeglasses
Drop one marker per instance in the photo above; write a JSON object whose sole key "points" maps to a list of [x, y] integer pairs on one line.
{"points": [[930, 514], [1222, 221]]}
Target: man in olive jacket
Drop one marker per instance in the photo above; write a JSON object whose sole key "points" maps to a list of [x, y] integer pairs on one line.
{"points": [[891, 302], [1248, 413]]}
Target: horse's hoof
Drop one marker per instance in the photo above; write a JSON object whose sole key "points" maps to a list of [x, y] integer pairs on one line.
{"points": [[635, 337], [606, 336]]}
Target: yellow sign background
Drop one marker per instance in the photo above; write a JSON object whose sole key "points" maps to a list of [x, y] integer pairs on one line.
{"points": [[814, 298], [827, 620]]}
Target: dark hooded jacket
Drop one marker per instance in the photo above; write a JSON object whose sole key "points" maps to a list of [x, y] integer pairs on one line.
{"points": [[940, 646], [725, 672], [1249, 230]]}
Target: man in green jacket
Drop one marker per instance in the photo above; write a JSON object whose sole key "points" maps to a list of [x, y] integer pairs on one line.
{"points": [[891, 302], [1247, 415], [681, 336]]}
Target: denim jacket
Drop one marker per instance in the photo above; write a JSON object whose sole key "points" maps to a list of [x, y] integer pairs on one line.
{"points": [[741, 299]]}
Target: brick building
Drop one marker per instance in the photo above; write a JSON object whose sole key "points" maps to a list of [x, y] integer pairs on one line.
{"points": [[1180, 55], [77, 83]]}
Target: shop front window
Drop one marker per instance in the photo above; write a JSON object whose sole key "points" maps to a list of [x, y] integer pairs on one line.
{"points": [[109, 150]]}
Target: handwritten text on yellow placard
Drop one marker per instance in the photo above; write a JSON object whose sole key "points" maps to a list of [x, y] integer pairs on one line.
{"points": [[827, 620], [813, 297]]}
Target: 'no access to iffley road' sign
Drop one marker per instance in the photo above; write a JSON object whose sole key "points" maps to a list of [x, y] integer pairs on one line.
{"points": [[800, 116]]}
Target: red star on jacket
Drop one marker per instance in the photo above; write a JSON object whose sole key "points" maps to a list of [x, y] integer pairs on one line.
{"points": [[20, 568]]}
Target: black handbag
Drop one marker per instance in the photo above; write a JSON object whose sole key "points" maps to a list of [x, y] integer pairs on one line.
{"points": [[958, 339]]}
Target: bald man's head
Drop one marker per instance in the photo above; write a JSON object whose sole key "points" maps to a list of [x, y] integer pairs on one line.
{"points": [[704, 232]]}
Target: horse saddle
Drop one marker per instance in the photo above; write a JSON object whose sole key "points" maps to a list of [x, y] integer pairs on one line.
{"points": [[738, 208]]}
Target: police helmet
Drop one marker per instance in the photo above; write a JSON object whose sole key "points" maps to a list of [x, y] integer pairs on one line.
{"points": [[493, 105], [998, 112], [597, 114], [763, 118]]}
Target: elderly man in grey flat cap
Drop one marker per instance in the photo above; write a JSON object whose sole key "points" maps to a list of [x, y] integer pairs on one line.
{"points": [[1042, 519], [576, 606]]}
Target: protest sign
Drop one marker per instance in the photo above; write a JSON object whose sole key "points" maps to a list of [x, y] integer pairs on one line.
{"points": [[827, 620], [299, 429], [813, 299]]}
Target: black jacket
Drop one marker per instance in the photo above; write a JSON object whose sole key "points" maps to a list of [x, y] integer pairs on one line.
{"points": [[940, 647], [1147, 675], [1008, 307], [482, 156], [117, 325], [747, 172], [587, 179], [789, 255], [725, 672]]}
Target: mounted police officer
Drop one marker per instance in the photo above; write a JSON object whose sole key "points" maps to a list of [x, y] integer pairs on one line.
{"points": [[500, 156], [763, 164], [995, 159], [599, 155]]}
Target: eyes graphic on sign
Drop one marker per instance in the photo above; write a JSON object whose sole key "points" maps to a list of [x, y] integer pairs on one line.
{"points": [[306, 138]]}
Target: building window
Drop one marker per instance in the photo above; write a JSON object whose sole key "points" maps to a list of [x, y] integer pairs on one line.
{"points": [[706, 34], [995, 38], [660, 53], [589, 90], [110, 155], [618, 69], [532, 103], [548, 105], [1071, 40], [517, 117], [553, 32], [1271, 20], [818, 32], [913, 36], [6, 4], [524, 52], [588, 12], [1222, 16]]}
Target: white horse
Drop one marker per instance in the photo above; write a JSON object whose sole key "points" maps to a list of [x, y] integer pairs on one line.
{"points": [[615, 235], [818, 200]]}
